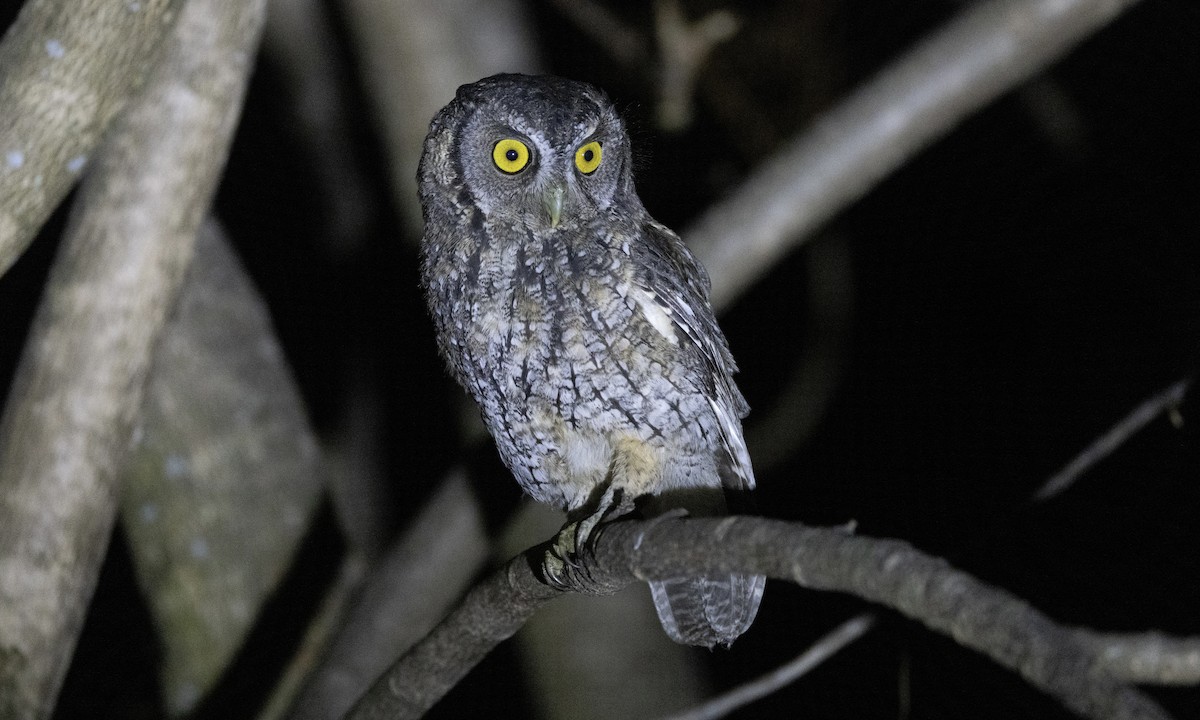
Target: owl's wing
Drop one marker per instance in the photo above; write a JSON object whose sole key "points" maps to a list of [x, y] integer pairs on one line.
{"points": [[679, 285]]}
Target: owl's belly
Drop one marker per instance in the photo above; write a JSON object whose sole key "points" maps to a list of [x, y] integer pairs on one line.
{"points": [[566, 386]]}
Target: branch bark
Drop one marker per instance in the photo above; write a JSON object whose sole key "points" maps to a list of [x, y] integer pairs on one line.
{"points": [[987, 50], [889, 572], [66, 69], [76, 394]]}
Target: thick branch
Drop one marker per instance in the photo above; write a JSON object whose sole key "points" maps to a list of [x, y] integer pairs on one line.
{"points": [[79, 385], [889, 572], [66, 68], [986, 51]]}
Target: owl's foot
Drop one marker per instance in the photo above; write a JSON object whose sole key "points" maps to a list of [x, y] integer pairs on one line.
{"points": [[563, 565]]}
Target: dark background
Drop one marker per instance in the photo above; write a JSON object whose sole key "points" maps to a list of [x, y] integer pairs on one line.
{"points": [[1016, 289]]}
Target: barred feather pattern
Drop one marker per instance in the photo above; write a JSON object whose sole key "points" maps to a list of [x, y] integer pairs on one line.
{"points": [[586, 337]]}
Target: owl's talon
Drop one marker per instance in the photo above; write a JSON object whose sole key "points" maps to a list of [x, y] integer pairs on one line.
{"points": [[561, 561], [554, 571]]}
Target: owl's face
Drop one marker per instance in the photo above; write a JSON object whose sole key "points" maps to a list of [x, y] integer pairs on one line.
{"points": [[542, 152]]}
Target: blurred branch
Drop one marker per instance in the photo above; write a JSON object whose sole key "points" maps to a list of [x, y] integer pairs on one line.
{"points": [[683, 48], [321, 632], [221, 483], [66, 68], [298, 37], [798, 406], [79, 385], [889, 572], [984, 52], [1116, 436], [1146, 658], [822, 650], [415, 54], [408, 590]]}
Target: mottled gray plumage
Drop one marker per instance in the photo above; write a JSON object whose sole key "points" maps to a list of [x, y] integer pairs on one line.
{"points": [[581, 325]]}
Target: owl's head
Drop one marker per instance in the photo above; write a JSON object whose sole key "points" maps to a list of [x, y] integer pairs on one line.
{"points": [[541, 151]]}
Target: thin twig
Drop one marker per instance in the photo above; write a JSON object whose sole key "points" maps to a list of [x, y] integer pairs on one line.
{"points": [[1104, 445], [326, 623], [989, 48], [819, 652]]}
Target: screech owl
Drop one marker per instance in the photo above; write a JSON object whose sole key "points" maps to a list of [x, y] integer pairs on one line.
{"points": [[581, 325]]}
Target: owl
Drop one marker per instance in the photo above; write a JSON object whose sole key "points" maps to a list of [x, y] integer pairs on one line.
{"points": [[581, 326]]}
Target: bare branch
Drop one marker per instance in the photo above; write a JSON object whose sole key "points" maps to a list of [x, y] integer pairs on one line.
{"points": [[415, 54], [822, 650], [66, 68], [223, 436], [600, 673], [684, 46], [888, 572], [411, 587], [299, 38], [70, 415], [987, 50], [1149, 658], [1104, 445], [321, 632]]}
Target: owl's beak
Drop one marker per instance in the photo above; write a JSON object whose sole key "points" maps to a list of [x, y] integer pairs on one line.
{"points": [[552, 200]]}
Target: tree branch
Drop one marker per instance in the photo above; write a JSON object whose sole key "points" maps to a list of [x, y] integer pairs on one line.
{"points": [[984, 52], [413, 55], [819, 652], [889, 572], [408, 590], [66, 69], [76, 394], [1149, 658], [1114, 438]]}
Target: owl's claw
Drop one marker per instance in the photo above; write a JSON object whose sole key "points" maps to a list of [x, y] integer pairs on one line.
{"points": [[555, 570], [563, 565]]}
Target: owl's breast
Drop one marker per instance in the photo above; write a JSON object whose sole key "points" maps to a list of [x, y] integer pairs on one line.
{"points": [[565, 354]]}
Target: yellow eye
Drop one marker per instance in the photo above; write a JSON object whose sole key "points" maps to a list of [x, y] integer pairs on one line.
{"points": [[510, 155], [587, 157]]}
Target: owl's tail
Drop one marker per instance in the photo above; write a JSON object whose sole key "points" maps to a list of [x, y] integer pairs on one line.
{"points": [[707, 611]]}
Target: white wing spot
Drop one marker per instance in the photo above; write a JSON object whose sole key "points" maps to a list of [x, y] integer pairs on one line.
{"points": [[657, 315]]}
